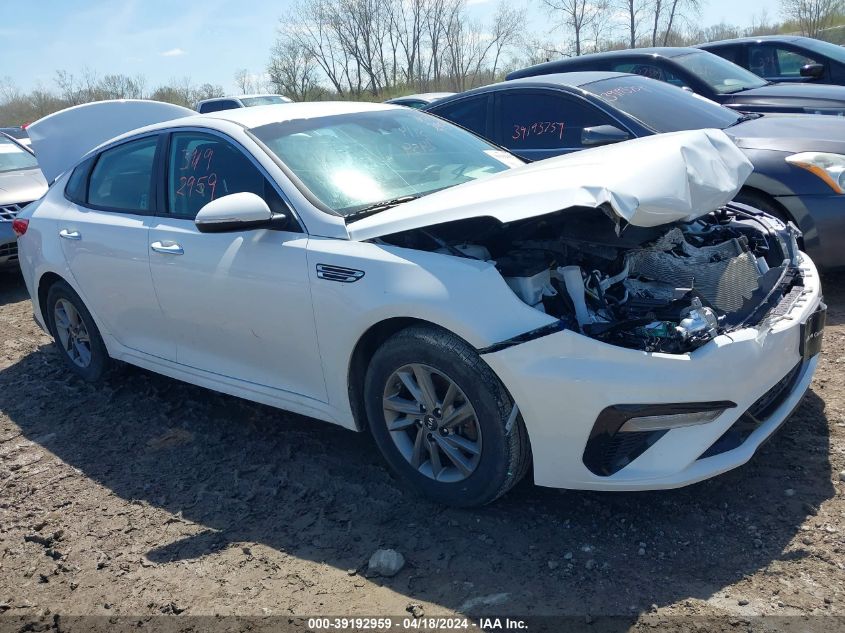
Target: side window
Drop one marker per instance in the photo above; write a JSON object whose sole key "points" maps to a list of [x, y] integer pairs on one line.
{"points": [[204, 167], [767, 60], [650, 70], [77, 184], [791, 62], [211, 106], [533, 120], [731, 53], [122, 177], [216, 106], [469, 113]]}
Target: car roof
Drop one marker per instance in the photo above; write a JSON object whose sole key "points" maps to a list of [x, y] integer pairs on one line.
{"points": [[566, 62], [263, 115], [757, 38], [552, 80]]}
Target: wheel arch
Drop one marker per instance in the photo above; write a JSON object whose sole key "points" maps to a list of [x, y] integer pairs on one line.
{"points": [[767, 198], [45, 282], [363, 352]]}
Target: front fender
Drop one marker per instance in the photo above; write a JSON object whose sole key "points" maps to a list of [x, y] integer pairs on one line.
{"points": [[465, 296]]}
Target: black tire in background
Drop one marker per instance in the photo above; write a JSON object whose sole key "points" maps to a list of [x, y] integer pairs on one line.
{"points": [[505, 453], [99, 361]]}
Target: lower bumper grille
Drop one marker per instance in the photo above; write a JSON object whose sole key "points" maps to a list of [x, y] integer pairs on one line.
{"points": [[755, 415], [9, 251]]}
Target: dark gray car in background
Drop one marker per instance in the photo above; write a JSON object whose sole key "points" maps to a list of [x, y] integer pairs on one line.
{"points": [[799, 160], [708, 75], [784, 57]]}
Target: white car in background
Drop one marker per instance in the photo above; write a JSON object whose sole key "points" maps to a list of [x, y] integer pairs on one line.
{"points": [[239, 101], [605, 318]]}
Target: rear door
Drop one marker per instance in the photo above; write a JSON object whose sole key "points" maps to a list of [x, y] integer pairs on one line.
{"points": [[104, 236], [236, 304]]}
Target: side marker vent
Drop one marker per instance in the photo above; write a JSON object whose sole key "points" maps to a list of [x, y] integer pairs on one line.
{"points": [[338, 273]]}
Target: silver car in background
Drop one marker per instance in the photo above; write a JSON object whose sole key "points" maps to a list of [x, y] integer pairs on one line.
{"points": [[21, 182]]}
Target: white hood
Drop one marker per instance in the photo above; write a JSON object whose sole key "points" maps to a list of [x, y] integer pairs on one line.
{"points": [[647, 182], [62, 138]]}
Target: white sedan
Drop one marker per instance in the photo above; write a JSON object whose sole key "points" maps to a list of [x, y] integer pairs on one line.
{"points": [[607, 318]]}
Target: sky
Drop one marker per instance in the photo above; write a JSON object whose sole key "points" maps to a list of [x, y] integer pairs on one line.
{"points": [[207, 40]]}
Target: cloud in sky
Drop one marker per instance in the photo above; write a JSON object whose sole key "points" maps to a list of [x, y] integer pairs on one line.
{"points": [[173, 52]]}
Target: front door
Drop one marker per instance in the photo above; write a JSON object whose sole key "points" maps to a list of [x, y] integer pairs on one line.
{"points": [[237, 304]]}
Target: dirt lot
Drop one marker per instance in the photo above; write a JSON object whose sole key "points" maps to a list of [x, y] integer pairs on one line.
{"points": [[145, 496]]}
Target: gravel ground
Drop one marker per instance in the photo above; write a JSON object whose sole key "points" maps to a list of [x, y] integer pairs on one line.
{"points": [[144, 496]]}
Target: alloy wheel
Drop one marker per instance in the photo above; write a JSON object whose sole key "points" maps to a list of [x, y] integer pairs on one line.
{"points": [[432, 423], [72, 333]]}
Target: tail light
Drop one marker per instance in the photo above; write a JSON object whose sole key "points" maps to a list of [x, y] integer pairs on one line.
{"points": [[20, 225]]}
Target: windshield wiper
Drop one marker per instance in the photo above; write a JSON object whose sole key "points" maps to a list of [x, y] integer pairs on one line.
{"points": [[380, 206], [750, 116]]}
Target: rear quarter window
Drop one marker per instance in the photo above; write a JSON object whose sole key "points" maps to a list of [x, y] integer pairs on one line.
{"points": [[469, 113]]}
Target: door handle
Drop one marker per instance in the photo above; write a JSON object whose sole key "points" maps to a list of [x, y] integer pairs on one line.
{"points": [[70, 235], [169, 248]]}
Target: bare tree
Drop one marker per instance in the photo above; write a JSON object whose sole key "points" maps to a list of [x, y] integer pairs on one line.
{"points": [[575, 15], [812, 16], [293, 71], [244, 81], [507, 25], [634, 11], [675, 10]]}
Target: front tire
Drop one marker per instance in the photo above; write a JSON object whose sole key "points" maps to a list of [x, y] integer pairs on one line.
{"points": [[438, 414], [80, 345]]}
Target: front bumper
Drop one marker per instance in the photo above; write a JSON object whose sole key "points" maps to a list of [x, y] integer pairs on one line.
{"points": [[8, 246], [821, 219], [563, 381]]}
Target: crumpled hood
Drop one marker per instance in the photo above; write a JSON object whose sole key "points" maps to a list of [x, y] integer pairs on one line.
{"points": [[23, 185], [62, 138], [791, 133], [647, 182]]}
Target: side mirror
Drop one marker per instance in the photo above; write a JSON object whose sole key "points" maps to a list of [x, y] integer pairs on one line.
{"points": [[602, 135], [813, 71], [237, 212]]}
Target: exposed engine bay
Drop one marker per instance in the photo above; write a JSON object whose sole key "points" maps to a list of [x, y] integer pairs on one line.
{"points": [[670, 288]]}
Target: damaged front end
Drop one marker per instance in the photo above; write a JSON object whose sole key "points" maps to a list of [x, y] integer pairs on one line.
{"points": [[668, 288]]}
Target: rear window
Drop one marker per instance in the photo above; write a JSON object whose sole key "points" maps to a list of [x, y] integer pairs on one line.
{"points": [[266, 100], [14, 158], [661, 107]]}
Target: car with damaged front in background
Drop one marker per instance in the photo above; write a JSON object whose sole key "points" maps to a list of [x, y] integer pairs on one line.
{"points": [[607, 319]]}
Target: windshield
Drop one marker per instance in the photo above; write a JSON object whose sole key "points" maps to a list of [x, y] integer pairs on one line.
{"points": [[13, 158], [720, 74], [660, 106], [265, 100], [356, 160], [825, 48]]}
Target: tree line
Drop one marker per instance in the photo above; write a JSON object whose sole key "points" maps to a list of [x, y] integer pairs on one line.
{"points": [[377, 49], [381, 48]]}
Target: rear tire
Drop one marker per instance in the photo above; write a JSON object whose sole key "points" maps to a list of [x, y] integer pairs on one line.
{"points": [[80, 345], [438, 414]]}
